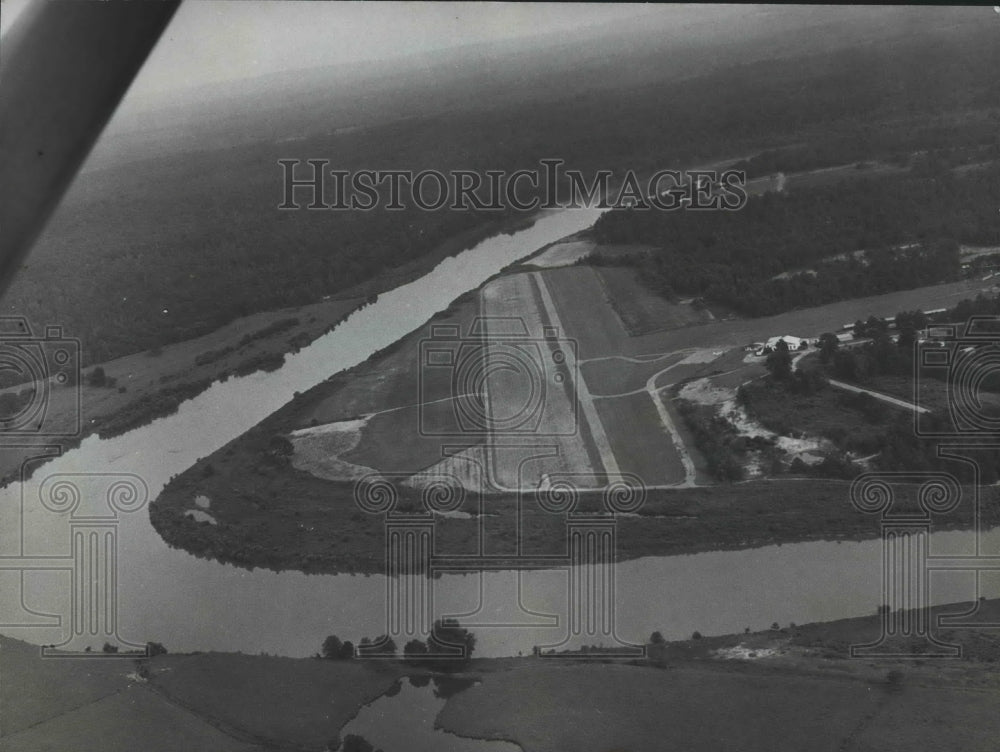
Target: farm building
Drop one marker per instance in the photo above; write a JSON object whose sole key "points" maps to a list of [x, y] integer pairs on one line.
{"points": [[794, 343]]}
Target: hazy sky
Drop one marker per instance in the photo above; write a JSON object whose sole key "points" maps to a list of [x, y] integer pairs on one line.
{"points": [[219, 40]]}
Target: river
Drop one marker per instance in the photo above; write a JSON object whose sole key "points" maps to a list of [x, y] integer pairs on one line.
{"points": [[189, 604]]}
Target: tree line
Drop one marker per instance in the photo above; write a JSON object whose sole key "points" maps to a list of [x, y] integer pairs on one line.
{"points": [[448, 645], [911, 226]]}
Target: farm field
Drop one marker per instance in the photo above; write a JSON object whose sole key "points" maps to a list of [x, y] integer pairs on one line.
{"points": [[575, 289], [642, 446], [648, 709], [639, 309]]}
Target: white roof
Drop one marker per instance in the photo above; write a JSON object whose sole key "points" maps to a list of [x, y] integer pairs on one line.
{"points": [[789, 340]]}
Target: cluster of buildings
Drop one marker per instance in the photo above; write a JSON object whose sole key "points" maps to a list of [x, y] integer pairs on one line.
{"points": [[765, 348]]}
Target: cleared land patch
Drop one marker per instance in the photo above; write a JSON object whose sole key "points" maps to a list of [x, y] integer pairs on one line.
{"points": [[642, 445], [320, 450], [551, 709], [640, 310]]}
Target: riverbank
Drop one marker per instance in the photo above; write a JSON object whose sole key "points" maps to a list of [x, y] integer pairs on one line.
{"points": [[139, 388], [786, 688], [273, 508]]}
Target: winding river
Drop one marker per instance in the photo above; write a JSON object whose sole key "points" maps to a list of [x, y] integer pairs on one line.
{"points": [[189, 604]]}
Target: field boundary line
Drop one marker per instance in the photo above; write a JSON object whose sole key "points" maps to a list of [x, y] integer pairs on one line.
{"points": [[878, 395]]}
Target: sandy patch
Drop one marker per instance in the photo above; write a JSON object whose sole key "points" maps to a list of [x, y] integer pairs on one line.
{"points": [[701, 356], [318, 450], [563, 254], [704, 392], [202, 501], [747, 426], [744, 653], [199, 516], [466, 469]]}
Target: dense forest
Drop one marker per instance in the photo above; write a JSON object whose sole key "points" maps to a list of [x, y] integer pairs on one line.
{"points": [[974, 138], [910, 226], [184, 242]]}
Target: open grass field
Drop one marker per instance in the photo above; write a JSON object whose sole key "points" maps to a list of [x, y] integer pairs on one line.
{"points": [[599, 334], [715, 707], [59, 704], [612, 375], [61, 685], [135, 718], [303, 702], [642, 445], [640, 310], [787, 688], [601, 708], [211, 702]]}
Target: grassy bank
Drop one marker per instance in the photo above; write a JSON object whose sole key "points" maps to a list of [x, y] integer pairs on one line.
{"points": [[787, 688], [139, 388]]}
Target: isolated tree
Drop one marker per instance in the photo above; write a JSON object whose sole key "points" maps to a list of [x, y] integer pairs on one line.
{"points": [[779, 363], [415, 650], [874, 326], [154, 649], [656, 638], [381, 645], [450, 637], [828, 345], [347, 650], [332, 647], [97, 377], [907, 338]]}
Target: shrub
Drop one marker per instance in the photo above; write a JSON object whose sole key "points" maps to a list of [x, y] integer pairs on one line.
{"points": [[414, 650], [97, 377], [332, 647]]}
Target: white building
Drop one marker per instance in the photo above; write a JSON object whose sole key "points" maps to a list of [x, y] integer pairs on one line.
{"points": [[794, 343]]}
